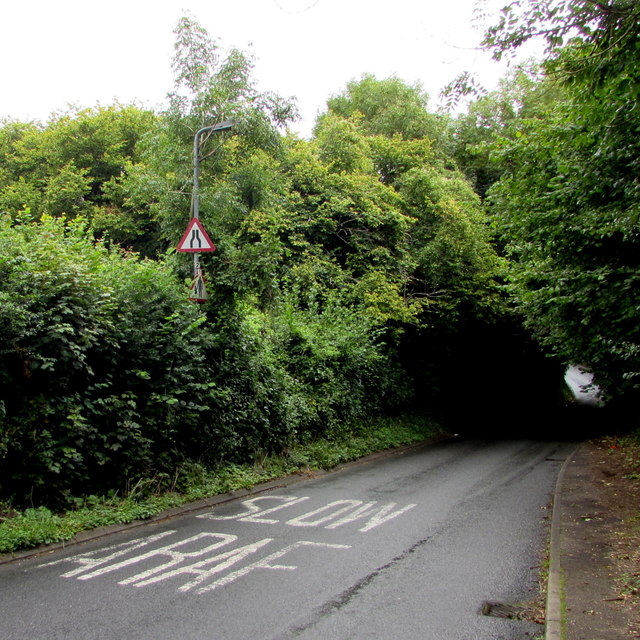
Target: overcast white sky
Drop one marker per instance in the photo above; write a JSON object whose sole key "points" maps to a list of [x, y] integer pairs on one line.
{"points": [[83, 52]]}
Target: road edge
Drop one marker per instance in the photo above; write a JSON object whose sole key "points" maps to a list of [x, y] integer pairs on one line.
{"points": [[555, 623]]}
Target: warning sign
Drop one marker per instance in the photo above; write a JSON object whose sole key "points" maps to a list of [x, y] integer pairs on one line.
{"points": [[195, 238], [198, 289]]}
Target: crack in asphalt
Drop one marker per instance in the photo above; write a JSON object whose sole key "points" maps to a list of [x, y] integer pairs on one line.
{"points": [[347, 596]]}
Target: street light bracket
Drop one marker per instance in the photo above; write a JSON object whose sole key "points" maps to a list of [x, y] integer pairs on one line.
{"points": [[220, 126]]}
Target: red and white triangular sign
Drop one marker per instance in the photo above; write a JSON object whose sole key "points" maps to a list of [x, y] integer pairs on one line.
{"points": [[198, 289], [195, 238]]}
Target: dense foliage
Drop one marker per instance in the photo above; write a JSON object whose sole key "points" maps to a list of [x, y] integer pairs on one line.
{"points": [[567, 203], [109, 374], [100, 356], [71, 165], [356, 275]]}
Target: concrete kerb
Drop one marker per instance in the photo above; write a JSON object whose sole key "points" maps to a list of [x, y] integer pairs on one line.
{"points": [[208, 503], [555, 623]]}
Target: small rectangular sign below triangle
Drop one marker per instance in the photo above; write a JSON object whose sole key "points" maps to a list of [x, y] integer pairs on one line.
{"points": [[195, 238]]}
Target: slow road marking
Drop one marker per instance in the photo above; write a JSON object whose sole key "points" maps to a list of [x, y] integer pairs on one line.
{"points": [[207, 561]]}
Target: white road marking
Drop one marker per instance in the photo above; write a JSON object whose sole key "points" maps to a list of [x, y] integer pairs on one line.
{"points": [[303, 520], [254, 512], [202, 564], [265, 563], [379, 515], [175, 557], [223, 561], [252, 509], [88, 561]]}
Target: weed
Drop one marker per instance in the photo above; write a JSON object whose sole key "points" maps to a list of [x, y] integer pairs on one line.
{"points": [[631, 584]]}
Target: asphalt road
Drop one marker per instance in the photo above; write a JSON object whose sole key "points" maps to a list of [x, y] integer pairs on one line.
{"points": [[406, 547]]}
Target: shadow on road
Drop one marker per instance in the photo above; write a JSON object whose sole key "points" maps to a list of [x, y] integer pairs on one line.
{"points": [[571, 422]]}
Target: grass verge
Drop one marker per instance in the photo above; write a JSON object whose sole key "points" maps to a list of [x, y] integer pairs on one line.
{"points": [[36, 526]]}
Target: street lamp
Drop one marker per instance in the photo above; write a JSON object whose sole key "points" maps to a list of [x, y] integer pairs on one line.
{"points": [[197, 272], [221, 126]]}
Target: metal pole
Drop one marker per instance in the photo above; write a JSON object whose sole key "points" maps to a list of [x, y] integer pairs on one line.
{"points": [[221, 126]]}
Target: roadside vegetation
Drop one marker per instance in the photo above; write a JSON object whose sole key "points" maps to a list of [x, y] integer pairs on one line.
{"points": [[192, 481], [358, 275]]}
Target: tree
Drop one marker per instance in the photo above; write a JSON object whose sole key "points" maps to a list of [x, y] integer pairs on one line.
{"points": [[440, 296], [387, 107], [71, 165], [521, 94], [447, 240], [210, 86], [600, 29], [568, 200]]}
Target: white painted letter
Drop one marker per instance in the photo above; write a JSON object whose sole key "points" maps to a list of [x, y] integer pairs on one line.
{"points": [[303, 521], [252, 509], [379, 515], [220, 562], [175, 556], [88, 561], [265, 563]]}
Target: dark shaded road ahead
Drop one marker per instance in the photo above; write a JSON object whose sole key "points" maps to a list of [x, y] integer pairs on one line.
{"points": [[406, 547]]}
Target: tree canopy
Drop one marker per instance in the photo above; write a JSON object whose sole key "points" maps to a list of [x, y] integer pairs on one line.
{"points": [[567, 202]]}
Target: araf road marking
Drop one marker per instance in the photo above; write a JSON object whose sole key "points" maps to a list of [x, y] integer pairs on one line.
{"points": [[222, 561], [202, 569], [252, 509], [265, 563], [175, 557], [88, 560]]}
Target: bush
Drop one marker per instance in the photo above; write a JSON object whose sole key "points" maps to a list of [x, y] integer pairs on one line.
{"points": [[108, 374], [102, 364]]}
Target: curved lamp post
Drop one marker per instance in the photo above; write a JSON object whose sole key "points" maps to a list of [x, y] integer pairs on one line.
{"points": [[221, 126]]}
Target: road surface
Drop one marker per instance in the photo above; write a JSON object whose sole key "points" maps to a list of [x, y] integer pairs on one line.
{"points": [[409, 547]]}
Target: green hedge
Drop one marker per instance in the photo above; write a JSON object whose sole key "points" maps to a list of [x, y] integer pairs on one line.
{"points": [[108, 374]]}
